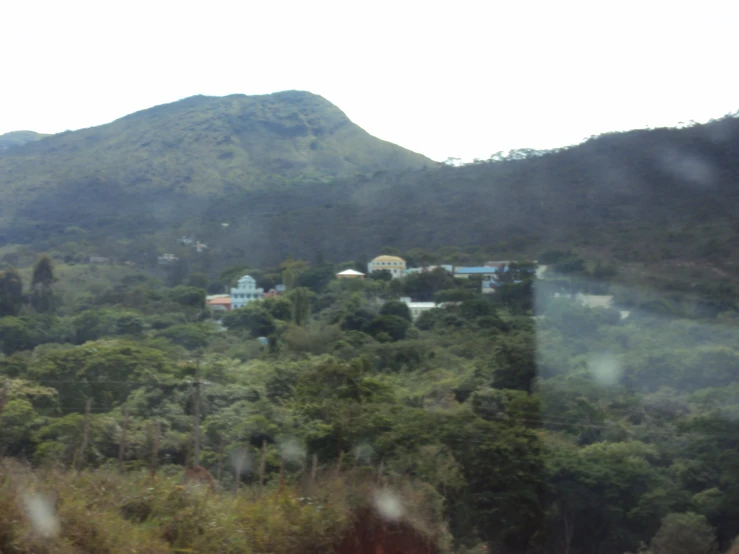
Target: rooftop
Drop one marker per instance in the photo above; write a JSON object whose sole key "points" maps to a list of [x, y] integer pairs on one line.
{"points": [[475, 270], [386, 258]]}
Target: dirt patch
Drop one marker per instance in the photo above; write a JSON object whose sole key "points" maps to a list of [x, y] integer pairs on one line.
{"points": [[370, 534]]}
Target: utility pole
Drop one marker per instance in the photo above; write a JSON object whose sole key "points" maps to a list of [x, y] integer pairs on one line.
{"points": [[196, 453]]}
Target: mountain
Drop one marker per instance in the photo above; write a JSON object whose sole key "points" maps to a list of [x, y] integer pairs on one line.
{"points": [[18, 138], [162, 162], [665, 196], [292, 176]]}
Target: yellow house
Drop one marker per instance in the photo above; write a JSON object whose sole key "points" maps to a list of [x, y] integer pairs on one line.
{"points": [[393, 264]]}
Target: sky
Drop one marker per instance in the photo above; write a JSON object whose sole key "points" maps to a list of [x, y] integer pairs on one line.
{"points": [[459, 79]]}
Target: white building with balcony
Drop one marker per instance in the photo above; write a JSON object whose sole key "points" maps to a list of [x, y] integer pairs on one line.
{"points": [[393, 264], [245, 291]]}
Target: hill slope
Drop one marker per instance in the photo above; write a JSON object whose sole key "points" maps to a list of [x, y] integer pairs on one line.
{"points": [[18, 138], [292, 176], [164, 160], [641, 196]]}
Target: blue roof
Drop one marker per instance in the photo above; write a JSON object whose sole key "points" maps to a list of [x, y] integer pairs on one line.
{"points": [[476, 270]]}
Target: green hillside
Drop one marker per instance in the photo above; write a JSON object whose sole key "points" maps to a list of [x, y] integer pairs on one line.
{"points": [[18, 138], [292, 176], [159, 163]]}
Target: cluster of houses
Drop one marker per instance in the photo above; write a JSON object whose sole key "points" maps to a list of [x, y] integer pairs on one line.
{"points": [[244, 292], [489, 274], [246, 289]]}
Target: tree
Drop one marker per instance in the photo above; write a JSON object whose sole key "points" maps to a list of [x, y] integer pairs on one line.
{"points": [[279, 307], [422, 286], [11, 292], [428, 319], [15, 335], [190, 335], [106, 371], [381, 275], [42, 295], [515, 360], [395, 327], [397, 308], [198, 280], [177, 273], [291, 271], [191, 297], [686, 533], [302, 299], [253, 318], [474, 308]]}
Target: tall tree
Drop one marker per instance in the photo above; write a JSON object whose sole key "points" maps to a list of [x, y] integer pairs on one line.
{"points": [[302, 299], [42, 294], [11, 292]]}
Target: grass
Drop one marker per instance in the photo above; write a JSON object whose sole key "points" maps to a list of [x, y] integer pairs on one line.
{"points": [[46, 511]]}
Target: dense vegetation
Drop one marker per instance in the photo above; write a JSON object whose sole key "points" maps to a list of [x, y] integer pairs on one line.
{"points": [[522, 421], [290, 174], [155, 168], [574, 431]]}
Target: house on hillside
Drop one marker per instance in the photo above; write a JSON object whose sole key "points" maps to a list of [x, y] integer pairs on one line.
{"points": [[428, 269], [167, 259], [350, 274], [393, 264], [486, 272], [277, 291], [498, 264], [417, 308], [245, 291], [219, 302]]}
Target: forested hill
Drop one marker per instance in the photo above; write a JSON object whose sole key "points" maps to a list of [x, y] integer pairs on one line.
{"points": [[643, 196], [291, 175], [163, 161]]}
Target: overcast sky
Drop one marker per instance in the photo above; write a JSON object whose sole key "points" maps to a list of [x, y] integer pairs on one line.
{"points": [[463, 79]]}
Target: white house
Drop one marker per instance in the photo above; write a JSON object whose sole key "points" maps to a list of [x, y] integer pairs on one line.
{"points": [[350, 274], [393, 264], [245, 291], [167, 259], [417, 308]]}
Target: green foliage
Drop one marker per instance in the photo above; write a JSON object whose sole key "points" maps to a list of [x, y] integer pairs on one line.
{"points": [[396, 308], [190, 335], [11, 292], [106, 371], [253, 318], [573, 431], [393, 326], [279, 308], [43, 298], [95, 324], [15, 335], [191, 297], [301, 299], [687, 533]]}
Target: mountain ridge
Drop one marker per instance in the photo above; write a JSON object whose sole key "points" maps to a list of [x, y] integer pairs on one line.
{"points": [[293, 176], [16, 139]]}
